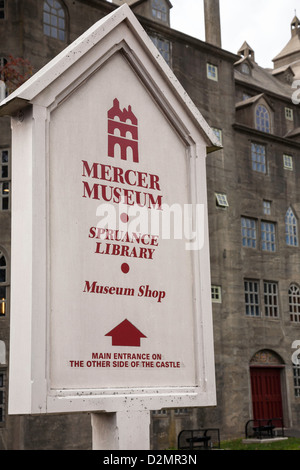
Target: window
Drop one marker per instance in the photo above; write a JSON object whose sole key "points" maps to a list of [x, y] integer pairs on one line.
{"points": [[54, 19], [2, 9], [159, 412], [212, 72], [266, 207], [159, 10], [2, 396], [294, 303], [222, 200], [268, 237], [246, 96], [245, 69], [258, 155], [262, 119], [216, 294], [3, 285], [4, 180], [287, 162], [218, 133], [248, 232], [296, 374], [252, 298], [271, 299], [163, 46], [289, 114], [291, 228], [181, 411]]}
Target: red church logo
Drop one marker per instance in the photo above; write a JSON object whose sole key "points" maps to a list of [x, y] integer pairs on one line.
{"points": [[122, 132]]}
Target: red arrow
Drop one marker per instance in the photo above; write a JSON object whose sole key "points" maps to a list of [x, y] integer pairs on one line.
{"points": [[126, 334]]}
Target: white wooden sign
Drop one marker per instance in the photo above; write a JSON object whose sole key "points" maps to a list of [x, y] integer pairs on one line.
{"points": [[110, 301]]}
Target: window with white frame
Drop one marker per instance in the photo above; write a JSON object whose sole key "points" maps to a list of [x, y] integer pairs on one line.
{"points": [[249, 236], [54, 20], [268, 236], [212, 72], [296, 376], [271, 299], [258, 157], [4, 179], [2, 396], [222, 200], [287, 162], [294, 303], [218, 133], [289, 115], [216, 294], [291, 228], [262, 119], [252, 301], [159, 10]]}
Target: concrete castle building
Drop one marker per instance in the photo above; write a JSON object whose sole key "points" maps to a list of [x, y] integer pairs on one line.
{"points": [[254, 210]]}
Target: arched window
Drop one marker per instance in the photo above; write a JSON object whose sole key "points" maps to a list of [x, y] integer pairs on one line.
{"points": [[294, 303], [3, 285], [54, 19], [291, 229], [262, 119]]}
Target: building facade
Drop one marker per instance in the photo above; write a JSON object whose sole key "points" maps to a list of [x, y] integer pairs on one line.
{"points": [[254, 209]]}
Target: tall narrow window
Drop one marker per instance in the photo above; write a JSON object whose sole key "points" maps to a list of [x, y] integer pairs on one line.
{"points": [[252, 298], [258, 156], [291, 228], [296, 374], [3, 285], [54, 19], [262, 119], [268, 236], [294, 303], [271, 299], [287, 162], [4, 180], [248, 232]]}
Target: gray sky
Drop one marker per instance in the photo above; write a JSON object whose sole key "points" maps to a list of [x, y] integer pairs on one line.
{"points": [[264, 24]]}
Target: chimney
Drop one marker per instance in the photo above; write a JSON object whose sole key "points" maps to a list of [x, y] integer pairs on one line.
{"points": [[212, 22]]}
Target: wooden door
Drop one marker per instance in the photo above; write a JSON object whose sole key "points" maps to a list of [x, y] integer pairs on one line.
{"points": [[266, 392]]}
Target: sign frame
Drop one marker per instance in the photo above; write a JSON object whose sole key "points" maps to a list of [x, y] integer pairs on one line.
{"points": [[30, 108]]}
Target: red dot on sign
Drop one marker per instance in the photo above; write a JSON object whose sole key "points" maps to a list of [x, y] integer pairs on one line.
{"points": [[125, 268], [124, 217]]}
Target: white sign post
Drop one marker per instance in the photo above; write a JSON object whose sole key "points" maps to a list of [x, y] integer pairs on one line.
{"points": [[110, 297]]}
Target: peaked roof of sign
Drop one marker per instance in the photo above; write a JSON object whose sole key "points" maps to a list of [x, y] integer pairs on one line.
{"points": [[71, 54]]}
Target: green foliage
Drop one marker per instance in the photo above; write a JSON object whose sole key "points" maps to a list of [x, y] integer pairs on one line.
{"points": [[291, 443]]}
